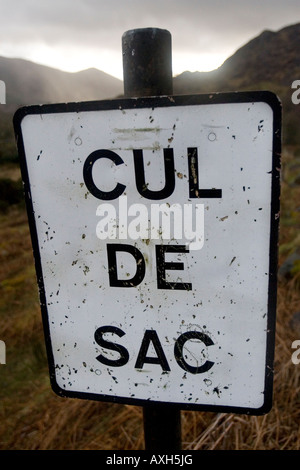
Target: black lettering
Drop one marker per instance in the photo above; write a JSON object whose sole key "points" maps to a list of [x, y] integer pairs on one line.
{"points": [[151, 336], [88, 175], [162, 266], [124, 355], [195, 192], [141, 185], [178, 351], [112, 265]]}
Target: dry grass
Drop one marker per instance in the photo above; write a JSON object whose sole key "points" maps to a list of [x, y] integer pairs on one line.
{"points": [[33, 417]]}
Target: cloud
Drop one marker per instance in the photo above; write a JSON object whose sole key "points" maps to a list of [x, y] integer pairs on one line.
{"points": [[197, 26]]}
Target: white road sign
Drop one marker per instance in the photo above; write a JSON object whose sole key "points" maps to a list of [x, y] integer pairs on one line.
{"points": [[154, 226]]}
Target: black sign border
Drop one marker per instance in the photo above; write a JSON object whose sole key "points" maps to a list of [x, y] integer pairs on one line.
{"points": [[153, 102]]}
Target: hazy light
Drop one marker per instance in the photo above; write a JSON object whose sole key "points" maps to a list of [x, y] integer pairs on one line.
{"points": [[196, 62], [109, 61]]}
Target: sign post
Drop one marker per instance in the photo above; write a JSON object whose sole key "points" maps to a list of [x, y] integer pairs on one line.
{"points": [[147, 71], [154, 223]]}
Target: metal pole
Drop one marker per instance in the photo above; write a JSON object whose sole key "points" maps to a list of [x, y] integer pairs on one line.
{"points": [[147, 62], [162, 428], [147, 71]]}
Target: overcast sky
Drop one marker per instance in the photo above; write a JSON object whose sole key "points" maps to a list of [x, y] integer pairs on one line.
{"points": [[76, 34]]}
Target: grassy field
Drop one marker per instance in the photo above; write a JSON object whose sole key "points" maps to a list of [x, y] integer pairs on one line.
{"points": [[33, 417]]}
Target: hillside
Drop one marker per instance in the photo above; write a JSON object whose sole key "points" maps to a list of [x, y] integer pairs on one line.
{"points": [[268, 62], [271, 57], [30, 83]]}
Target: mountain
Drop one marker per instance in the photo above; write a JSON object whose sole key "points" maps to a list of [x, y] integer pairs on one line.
{"points": [[268, 62], [271, 57], [30, 83]]}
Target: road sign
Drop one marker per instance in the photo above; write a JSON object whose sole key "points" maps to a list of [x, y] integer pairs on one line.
{"points": [[154, 225]]}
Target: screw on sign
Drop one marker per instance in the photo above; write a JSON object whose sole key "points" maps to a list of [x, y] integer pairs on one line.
{"points": [[180, 317]]}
